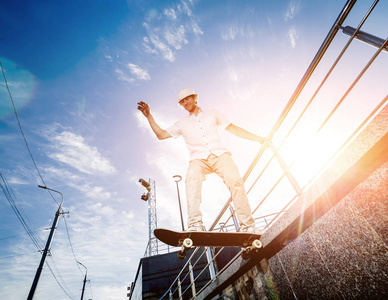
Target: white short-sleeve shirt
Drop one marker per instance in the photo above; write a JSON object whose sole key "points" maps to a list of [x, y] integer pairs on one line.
{"points": [[201, 133]]}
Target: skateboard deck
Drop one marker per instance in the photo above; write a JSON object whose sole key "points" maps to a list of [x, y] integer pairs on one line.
{"points": [[188, 239]]}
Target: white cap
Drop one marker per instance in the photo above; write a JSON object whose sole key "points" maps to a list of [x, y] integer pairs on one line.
{"points": [[183, 93]]}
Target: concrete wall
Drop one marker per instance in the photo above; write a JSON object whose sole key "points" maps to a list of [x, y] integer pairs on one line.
{"points": [[343, 255]]}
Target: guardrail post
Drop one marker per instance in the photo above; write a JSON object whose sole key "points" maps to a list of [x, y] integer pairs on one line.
{"points": [[209, 258], [179, 288], [192, 280], [170, 295]]}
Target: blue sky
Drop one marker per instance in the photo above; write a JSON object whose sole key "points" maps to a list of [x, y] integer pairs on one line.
{"points": [[76, 70]]}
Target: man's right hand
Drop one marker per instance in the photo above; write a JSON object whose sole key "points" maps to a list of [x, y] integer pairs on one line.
{"points": [[144, 108]]}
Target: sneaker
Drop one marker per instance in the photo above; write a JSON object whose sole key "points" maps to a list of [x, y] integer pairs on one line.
{"points": [[197, 226], [252, 229]]}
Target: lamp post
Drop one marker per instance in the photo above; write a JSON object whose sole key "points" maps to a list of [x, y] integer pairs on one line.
{"points": [[178, 178]]}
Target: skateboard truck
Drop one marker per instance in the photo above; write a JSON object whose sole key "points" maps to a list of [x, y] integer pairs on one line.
{"points": [[247, 251], [187, 243]]}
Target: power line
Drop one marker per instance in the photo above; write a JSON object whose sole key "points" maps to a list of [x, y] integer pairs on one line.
{"points": [[52, 272], [91, 290], [20, 126], [71, 246], [16, 255], [14, 236], [18, 210], [15, 204], [61, 278], [8, 192]]}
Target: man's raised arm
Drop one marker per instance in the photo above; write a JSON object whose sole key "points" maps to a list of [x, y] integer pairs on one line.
{"points": [[160, 133], [242, 133]]}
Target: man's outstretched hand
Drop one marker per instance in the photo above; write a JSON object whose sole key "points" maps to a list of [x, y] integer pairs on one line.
{"points": [[144, 108], [262, 140], [161, 134]]}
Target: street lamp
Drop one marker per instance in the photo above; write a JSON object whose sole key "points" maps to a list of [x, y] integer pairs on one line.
{"points": [[46, 188], [178, 178], [147, 186]]}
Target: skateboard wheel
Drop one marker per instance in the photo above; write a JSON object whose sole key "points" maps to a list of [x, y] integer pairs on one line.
{"points": [[187, 243], [246, 254], [181, 254], [256, 244]]}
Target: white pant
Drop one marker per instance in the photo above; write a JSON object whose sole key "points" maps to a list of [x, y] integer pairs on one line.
{"points": [[224, 167]]}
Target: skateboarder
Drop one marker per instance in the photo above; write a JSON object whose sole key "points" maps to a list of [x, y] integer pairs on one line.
{"points": [[207, 155]]}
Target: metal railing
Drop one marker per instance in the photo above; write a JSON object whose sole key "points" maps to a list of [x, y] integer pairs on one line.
{"points": [[187, 272], [270, 161]]}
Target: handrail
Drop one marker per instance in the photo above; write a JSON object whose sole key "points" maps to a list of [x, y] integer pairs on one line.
{"points": [[329, 38]]}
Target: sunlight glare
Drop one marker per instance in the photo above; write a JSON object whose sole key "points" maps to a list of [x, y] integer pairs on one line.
{"points": [[309, 152]]}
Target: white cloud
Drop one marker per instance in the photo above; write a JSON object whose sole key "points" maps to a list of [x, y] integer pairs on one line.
{"points": [[122, 76], [233, 31], [293, 36], [234, 76], [170, 31], [138, 72], [154, 44], [292, 10], [269, 21], [71, 149], [229, 33], [196, 29], [92, 192], [78, 183], [176, 37], [170, 13], [108, 57], [17, 180]]}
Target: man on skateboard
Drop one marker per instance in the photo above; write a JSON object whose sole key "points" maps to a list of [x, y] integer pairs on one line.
{"points": [[207, 155]]}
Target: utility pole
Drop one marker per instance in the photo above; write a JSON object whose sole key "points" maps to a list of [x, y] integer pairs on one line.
{"points": [[83, 287], [46, 249]]}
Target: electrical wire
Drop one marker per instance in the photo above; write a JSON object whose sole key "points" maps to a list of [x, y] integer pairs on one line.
{"points": [[8, 193], [15, 204], [71, 246], [91, 290], [13, 236], [16, 255], [16, 207], [60, 275], [52, 272], [20, 126]]}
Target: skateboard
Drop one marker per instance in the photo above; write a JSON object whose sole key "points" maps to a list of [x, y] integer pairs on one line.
{"points": [[187, 239]]}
